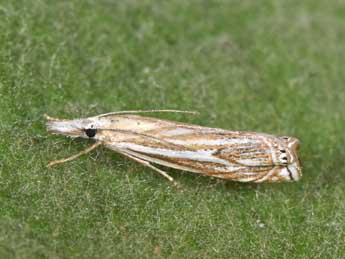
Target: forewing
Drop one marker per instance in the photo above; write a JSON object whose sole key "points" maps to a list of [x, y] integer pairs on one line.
{"points": [[243, 149], [233, 155]]}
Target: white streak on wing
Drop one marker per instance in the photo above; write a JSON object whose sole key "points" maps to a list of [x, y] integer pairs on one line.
{"points": [[178, 131], [213, 142], [199, 155]]}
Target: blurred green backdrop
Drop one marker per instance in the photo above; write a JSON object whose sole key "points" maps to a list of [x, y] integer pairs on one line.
{"points": [[271, 66]]}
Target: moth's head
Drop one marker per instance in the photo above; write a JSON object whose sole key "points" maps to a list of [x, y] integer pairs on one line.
{"points": [[84, 128]]}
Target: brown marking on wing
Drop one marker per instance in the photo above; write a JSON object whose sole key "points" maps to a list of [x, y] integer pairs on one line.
{"points": [[259, 153], [238, 175], [241, 175], [143, 140]]}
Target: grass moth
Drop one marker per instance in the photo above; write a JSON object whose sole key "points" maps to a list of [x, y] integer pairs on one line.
{"points": [[230, 155]]}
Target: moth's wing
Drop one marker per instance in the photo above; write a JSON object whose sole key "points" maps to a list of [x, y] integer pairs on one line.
{"points": [[195, 162], [244, 149], [156, 150], [254, 154], [207, 154]]}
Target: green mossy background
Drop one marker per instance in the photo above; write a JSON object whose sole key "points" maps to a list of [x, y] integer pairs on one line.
{"points": [[270, 66]]}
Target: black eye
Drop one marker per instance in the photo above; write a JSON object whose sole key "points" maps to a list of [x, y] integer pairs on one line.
{"points": [[90, 132], [282, 151]]}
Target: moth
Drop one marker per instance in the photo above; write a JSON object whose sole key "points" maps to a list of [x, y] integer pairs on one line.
{"points": [[230, 155]]}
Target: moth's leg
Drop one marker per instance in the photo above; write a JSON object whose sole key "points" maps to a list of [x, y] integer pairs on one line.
{"points": [[146, 163], [55, 162]]}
